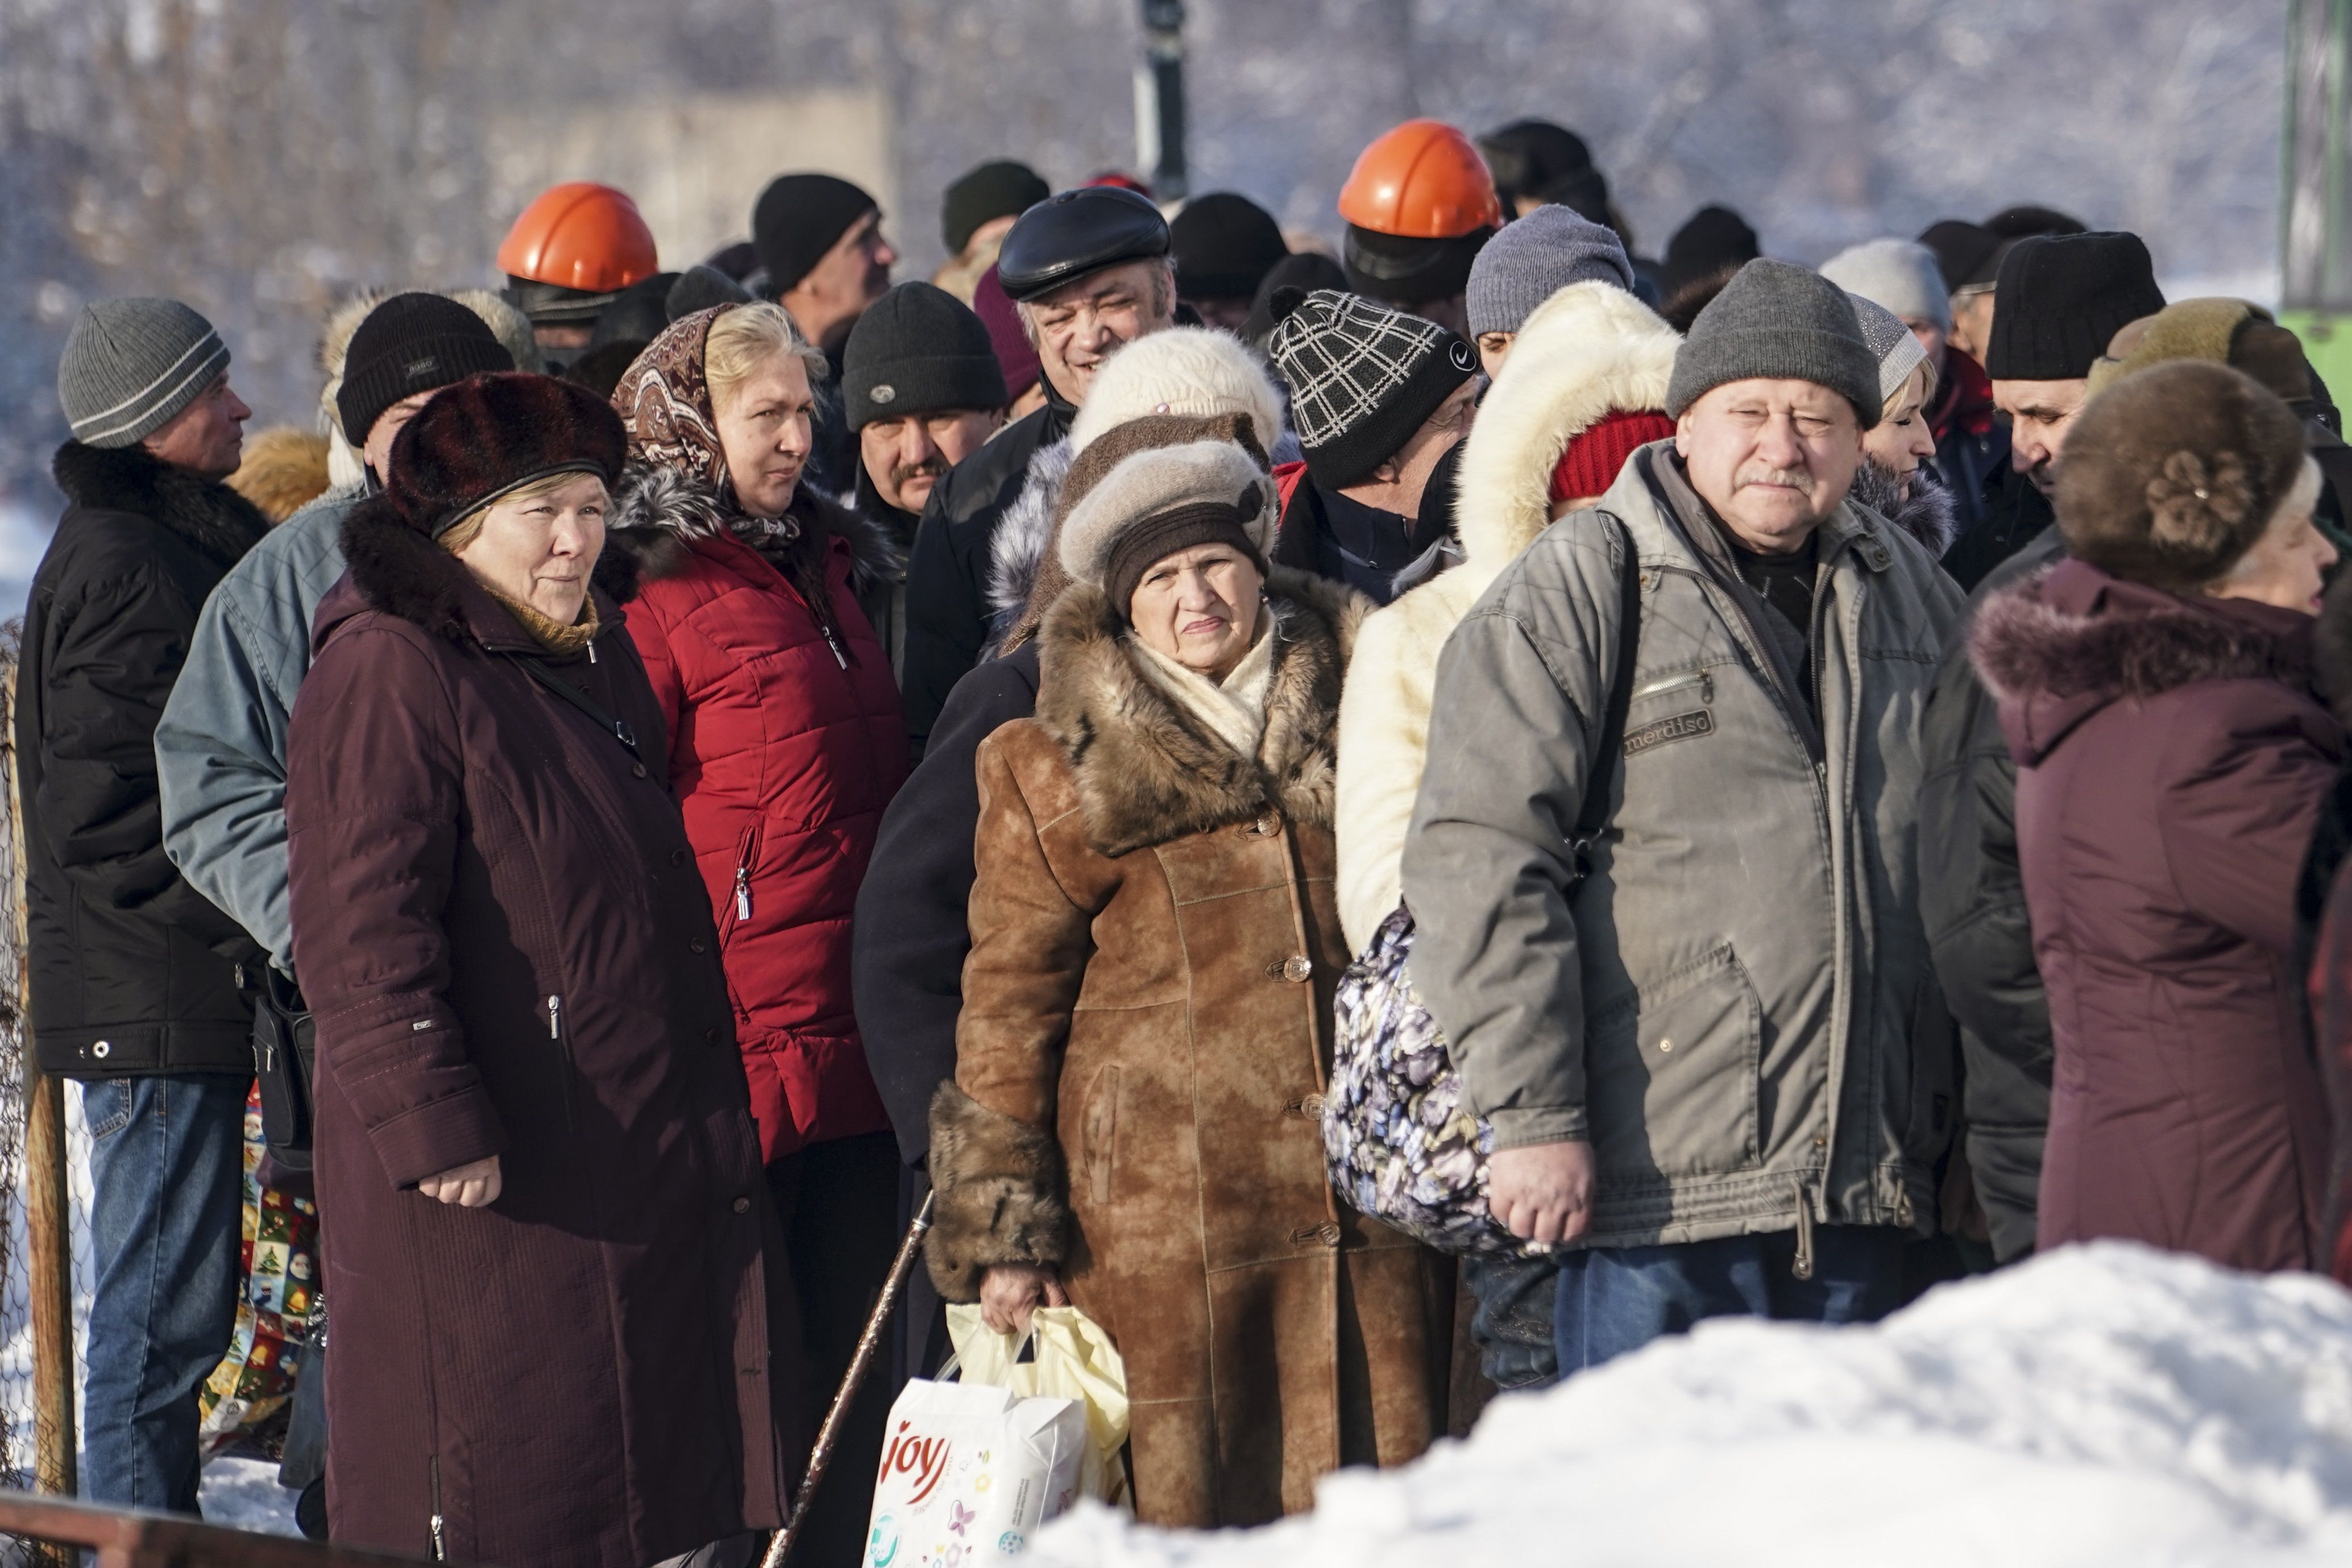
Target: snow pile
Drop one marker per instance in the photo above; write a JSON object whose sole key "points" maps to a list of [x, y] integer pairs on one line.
{"points": [[2104, 1405]]}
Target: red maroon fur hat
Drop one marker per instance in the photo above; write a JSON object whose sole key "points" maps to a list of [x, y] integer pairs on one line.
{"points": [[479, 438]]}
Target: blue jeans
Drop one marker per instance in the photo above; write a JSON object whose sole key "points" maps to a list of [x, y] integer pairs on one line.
{"points": [[1619, 1298], [1517, 1300], [166, 1166]]}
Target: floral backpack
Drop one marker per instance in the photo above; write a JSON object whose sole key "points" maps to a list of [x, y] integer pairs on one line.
{"points": [[1399, 1141]]}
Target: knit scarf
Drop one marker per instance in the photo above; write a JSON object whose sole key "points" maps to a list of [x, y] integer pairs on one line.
{"points": [[546, 630], [1232, 710]]}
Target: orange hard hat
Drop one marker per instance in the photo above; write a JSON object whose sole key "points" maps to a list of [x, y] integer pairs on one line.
{"points": [[583, 235], [1425, 180]]}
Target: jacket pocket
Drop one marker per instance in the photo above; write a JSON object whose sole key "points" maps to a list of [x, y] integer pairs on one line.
{"points": [[1927, 1104], [1099, 1133], [1672, 1075], [737, 909]]}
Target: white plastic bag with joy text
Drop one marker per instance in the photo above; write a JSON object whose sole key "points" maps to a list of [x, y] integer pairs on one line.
{"points": [[969, 1472]]}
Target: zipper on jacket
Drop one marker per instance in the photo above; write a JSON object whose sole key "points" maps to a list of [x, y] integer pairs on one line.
{"points": [[433, 1526], [563, 1056], [833, 643], [1659, 688], [1803, 1266], [743, 892]]}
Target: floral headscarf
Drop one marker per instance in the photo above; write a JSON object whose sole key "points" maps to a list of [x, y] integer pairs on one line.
{"points": [[664, 402]]}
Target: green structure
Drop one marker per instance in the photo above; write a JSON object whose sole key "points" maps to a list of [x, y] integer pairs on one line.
{"points": [[2315, 195]]}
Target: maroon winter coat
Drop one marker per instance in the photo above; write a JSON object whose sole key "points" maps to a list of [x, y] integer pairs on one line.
{"points": [[786, 741], [498, 924], [2171, 760]]}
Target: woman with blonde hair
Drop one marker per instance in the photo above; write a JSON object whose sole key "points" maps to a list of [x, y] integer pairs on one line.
{"points": [[785, 744]]}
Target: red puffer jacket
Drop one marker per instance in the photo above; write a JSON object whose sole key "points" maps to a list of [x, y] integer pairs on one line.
{"points": [[786, 744]]}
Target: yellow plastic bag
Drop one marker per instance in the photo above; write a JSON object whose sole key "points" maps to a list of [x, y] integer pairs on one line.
{"points": [[1074, 1360]]}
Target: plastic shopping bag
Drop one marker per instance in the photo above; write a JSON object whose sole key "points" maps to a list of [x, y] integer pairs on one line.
{"points": [[1073, 1360], [969, 1472]]}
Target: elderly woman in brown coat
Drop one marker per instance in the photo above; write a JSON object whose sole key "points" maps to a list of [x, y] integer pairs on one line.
{"points": [[2157, 692], [554, 1264], [1135, 1121]]}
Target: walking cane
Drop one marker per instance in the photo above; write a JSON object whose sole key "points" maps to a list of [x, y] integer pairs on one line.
{"points": [[779, 1545]]}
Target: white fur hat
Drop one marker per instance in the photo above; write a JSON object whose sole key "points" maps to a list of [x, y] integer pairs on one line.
{"points": [[1194, 370], [1163, 500]]}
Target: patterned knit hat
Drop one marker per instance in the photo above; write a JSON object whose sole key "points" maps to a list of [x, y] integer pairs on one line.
{"points": [[1363, 378]]}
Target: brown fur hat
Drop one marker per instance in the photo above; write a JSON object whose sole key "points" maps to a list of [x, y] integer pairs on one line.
{"points": [[2170, 476], [488, 435]]}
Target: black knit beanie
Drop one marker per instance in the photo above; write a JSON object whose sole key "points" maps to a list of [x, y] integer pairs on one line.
{"points": [[1715, 239], [1000, 189], [1224, 246], [1306, 271], [800, 217], [919, 350], [408, 344], [1363, 378], [2061, 298]]}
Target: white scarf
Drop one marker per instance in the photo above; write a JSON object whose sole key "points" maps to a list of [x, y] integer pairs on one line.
{"points": [[1234, 709]]}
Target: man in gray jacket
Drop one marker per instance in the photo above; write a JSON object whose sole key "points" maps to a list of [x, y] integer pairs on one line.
{"points": [[221, 747], [1710, 1045]]}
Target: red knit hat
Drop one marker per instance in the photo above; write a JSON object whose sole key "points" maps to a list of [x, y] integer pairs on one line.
{"points": [[1589, 464]]}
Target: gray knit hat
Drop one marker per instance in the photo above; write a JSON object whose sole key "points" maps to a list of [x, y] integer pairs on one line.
{"points": [[1901, 274], [1896, 347], [1535, 258], [130, 364], [1777, 321]]}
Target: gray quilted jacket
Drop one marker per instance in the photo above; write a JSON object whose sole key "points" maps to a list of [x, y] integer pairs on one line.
{"points": [[1737, 1005]]}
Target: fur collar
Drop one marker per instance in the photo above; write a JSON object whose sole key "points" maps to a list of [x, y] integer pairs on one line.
{"points": [[1024, 531], [2075, 633], [398, 570], [1147, 771], [1589, 350], [1926, 514], [661, 510], [206, 512]]}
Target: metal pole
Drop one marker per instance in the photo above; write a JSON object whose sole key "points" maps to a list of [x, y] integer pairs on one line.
{"points": [[870, 1344], [1163, 52]]}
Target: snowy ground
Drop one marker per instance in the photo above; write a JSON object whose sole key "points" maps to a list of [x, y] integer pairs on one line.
{"points": [[245, 1494], [2100, 1405]]}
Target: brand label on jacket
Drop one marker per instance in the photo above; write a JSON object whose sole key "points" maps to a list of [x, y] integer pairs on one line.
{"points": [[1681, 727]]}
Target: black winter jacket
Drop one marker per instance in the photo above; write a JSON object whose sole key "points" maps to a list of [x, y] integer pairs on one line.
{"points": [[910, 936], [134, 972], [1972, 899], [2015, 512], [947, 578]]}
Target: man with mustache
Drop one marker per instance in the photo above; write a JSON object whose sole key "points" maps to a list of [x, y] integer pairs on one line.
{"points": [[922, 391], [1707, 1040]]}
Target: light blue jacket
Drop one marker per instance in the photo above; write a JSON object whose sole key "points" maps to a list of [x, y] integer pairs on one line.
{"points": [[220, 751]]}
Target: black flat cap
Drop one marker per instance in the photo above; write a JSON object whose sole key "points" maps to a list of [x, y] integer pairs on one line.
{"points": [[1077, 232], [1965, 252]]}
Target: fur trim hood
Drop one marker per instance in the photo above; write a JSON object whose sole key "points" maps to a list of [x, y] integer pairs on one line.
{"points": [[1591, 350], [284, 470], [2059, 647], [206, 512], [1024, 532], [659, 510], [1926, 514], [1147, 771]]}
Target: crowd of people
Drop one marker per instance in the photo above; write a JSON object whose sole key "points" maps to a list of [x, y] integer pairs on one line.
{"points": [[685, 767]]}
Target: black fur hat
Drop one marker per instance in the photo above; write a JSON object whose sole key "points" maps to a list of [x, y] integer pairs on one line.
{"points": [[484, 437]]}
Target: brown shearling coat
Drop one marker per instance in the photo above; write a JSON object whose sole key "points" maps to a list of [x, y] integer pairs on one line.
{"points": [[1141, 1060]]}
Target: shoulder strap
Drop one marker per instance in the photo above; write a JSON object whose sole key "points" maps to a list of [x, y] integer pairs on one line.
{"points": [[616, 728], [1593, 816]]}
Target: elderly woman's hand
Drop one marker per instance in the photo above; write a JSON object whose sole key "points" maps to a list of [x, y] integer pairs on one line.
{"points": [[470, 1186], [1011, 1291]]}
